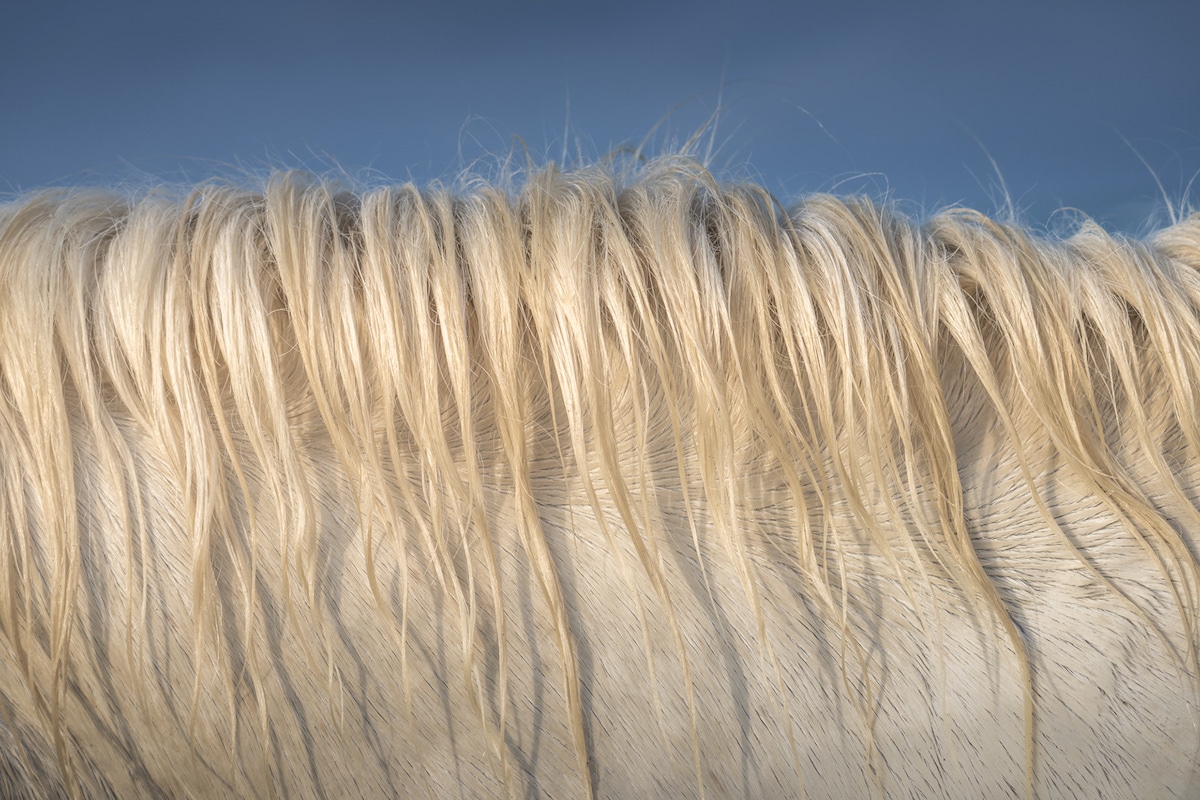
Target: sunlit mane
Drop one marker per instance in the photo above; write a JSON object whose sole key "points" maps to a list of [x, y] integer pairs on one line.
{"points": [[629, 484]]}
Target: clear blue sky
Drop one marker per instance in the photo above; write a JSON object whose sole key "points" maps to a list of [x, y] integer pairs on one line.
{"points": [[904, 99]]}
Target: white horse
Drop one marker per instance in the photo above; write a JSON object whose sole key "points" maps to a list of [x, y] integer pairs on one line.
{"points": [[610, 486]]}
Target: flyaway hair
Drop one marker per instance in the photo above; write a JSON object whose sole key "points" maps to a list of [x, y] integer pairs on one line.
{"points": [[612, 484]]}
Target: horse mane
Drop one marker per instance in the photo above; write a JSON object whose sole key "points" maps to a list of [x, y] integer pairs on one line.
{"points": [[668, 361]]}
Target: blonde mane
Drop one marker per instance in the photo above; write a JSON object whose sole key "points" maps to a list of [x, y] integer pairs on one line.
{"points": [[611, 484]]}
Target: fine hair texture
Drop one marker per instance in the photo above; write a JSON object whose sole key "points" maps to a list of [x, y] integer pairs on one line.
{"points": [[613, 483]]}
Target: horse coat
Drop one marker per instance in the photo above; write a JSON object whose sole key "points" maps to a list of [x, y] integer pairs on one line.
{"points": [[612, 485]]}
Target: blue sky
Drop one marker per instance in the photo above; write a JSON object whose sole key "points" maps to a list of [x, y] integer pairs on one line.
{"points": [[909, 101]]}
